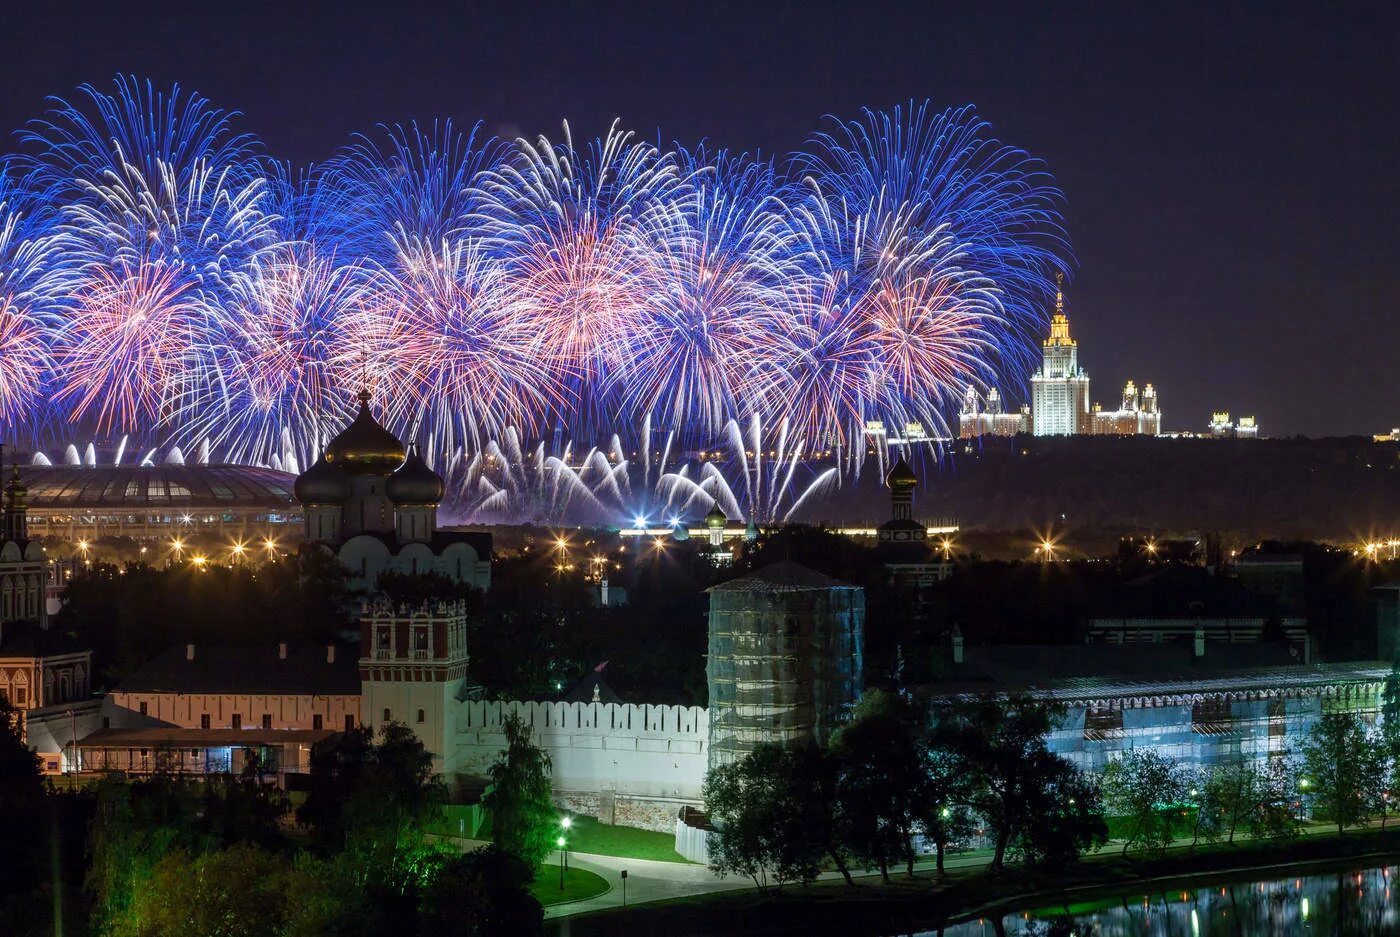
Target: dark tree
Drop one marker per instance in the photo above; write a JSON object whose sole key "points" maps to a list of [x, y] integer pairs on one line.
{"points": [[769, 810], [371, 801], [21, 811], [884, 781], [1032, 799], [484, 893]]}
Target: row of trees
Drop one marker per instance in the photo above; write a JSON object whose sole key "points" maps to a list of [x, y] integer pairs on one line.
{"points": [[983, 768], [1342, 773], [887, 780], [228, 855]]}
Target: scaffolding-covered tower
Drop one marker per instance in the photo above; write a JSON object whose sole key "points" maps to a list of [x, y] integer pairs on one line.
{"points": [[785, 658]]}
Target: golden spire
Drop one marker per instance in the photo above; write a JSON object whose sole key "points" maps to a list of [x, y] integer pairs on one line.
{"points": [[1059, 322]]}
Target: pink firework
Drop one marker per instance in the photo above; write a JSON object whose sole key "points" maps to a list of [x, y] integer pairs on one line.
{"points": [[24, 361], [126, 353], [444, 333]]}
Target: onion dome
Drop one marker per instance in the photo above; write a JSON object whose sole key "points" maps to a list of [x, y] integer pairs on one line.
{"points": [[716, 519], [679, 532], [364, 447], [323, 483], [415, 483], [901, 475]]}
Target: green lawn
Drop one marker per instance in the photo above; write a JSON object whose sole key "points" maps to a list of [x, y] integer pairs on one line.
{"points": [[578, 883], [588, 835]]}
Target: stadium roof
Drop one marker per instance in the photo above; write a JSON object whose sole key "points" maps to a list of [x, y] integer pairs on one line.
{"points": [[138, 487]]}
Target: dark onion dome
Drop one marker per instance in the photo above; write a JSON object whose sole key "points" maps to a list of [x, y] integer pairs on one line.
{"points": [[415, 483], [901, 475], [323, 483], [364, 447], [716, 518]]}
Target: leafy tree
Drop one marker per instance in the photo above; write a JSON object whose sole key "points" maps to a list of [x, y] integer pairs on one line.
{"points": [[482, 894], [372, 800], [1065, 813], [1015, 783], [1274, 814], [523, 815], [1227, 794], [1145, 789], [768, 809], [1340, 761], [239, 892], [884, 787]]}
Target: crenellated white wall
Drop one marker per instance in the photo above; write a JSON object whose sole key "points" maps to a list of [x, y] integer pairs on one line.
{"points": [[626, 749]]}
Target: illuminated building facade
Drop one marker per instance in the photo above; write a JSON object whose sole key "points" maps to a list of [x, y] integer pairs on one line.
{"points": [[1222, 427], [1139, 414], [988, 418]]}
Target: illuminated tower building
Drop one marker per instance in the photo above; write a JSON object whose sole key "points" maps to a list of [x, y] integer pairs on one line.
{"points": [[1060, 389]]}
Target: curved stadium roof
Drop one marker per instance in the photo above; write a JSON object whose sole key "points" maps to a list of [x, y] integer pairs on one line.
{"points": [[138, 487]]}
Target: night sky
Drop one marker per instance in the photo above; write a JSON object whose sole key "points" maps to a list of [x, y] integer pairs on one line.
{"points": [[1230, 173]]}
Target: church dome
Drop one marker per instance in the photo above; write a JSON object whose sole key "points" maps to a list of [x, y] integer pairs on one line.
{"points": [[364, 447], [323, 483], [901, 475], [415, 483], [716, 519]]}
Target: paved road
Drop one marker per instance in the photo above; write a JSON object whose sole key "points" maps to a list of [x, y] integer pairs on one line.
{"points": [[647, 880]]}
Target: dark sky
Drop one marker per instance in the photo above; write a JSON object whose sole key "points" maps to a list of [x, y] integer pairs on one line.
{"points": [[1230, 170]]}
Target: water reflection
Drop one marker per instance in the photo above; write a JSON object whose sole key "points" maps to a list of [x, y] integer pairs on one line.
{"points": [[1356, 902]]}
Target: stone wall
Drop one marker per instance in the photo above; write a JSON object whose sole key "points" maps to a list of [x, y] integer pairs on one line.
{"points": [[639, 754]]}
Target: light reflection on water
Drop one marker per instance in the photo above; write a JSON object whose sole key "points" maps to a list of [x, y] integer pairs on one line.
{"points": [[1355, 902]]}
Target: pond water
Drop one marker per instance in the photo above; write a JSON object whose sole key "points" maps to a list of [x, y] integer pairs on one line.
{"points": [[1353, 902]]}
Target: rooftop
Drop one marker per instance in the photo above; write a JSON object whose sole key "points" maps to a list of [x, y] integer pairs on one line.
{"points": [[252, 668], [784, 576]]}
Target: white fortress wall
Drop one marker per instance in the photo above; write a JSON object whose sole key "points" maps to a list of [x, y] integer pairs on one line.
{"points": [[625, 749]]}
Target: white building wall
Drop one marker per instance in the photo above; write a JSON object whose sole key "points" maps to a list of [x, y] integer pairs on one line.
{"points": [[627, 749], [404, 700], [289, 711]]}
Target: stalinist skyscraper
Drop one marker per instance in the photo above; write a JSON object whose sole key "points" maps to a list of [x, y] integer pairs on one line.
{"points": [[1060, 389]]}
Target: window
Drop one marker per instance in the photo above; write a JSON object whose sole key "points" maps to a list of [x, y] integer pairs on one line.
{"points": [[381, 637], [194, 753], [238, 720], [21, 696], [316, 721], [388, 716], [420, 639], [349, 723], [267, 720], [421, 716], [204, 721], [143, 709]]}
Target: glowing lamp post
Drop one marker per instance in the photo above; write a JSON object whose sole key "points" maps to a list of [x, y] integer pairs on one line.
{"points": [[561, 842]]}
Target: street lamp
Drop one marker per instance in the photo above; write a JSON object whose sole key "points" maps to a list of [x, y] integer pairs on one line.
{"points": [[561, 843]]}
